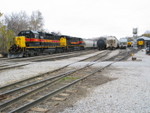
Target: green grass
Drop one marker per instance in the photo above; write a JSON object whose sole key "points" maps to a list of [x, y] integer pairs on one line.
{"points": [[69, 78]]}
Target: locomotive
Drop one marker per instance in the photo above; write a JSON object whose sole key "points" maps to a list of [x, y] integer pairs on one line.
{"points": [[31, 43], [140, 43], [129, 44], [123, 43]]}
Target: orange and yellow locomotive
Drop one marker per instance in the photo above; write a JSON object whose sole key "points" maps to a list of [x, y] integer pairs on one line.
{"points": [[31, 43]]}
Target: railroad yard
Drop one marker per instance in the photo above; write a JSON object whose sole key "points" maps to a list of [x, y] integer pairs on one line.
{"points": [[77, 82], [87, 56]]}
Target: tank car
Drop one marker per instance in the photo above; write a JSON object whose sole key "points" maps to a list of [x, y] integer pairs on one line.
{"points": [[90, 44], [101, 43]]}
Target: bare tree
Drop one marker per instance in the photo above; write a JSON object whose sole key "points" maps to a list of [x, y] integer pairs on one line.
{"points": [[147, 33], [1, 14], [56, 33], [36, 21], [0, 17], [17, 22]]}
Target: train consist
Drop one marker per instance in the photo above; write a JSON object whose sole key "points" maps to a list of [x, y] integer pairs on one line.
{"points": [[31, 43], [109, 42]]}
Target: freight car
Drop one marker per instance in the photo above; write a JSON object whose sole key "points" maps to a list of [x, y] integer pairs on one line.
{"points": [[31, 43], [101, 43], [90, 44], [112, 42]]}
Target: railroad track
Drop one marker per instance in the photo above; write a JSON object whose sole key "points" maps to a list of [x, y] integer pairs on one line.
{"points": [[44, 75], [46, 57], [8, 64], [124, 53], [48, 87], [41, 84]]}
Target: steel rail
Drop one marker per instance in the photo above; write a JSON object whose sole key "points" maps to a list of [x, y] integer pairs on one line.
{"points": [[42, 81], [41, 59], [26, 107], [29, 105], [13, 66], [7, 103], [47, 56], [6, 86], [35, 83]]}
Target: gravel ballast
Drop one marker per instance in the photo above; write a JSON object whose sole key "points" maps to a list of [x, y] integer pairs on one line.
{"points": [[36, 68], [128, 93]]}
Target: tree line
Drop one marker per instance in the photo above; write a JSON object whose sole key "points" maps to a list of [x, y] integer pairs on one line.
{"points": [[12, 24], [146, 34]]}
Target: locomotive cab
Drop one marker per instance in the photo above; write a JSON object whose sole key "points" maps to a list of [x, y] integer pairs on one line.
{"points": [[22, 41], [140, 43], [30, 38]]}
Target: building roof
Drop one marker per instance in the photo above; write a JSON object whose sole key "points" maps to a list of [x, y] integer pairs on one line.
{"points": [[145, 38]]}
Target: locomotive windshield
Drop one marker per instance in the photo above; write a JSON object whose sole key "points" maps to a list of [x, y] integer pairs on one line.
{"points": [[29, 34]]}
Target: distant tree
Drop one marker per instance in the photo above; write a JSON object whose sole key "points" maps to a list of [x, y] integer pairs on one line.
{"points": [[0, 20], [146, 34], [6, 38], [55, 33], [1, 14], [17, 21], [36, 21]]}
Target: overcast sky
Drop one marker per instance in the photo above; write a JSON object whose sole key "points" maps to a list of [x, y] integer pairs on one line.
{"points": [[87, 18]]}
